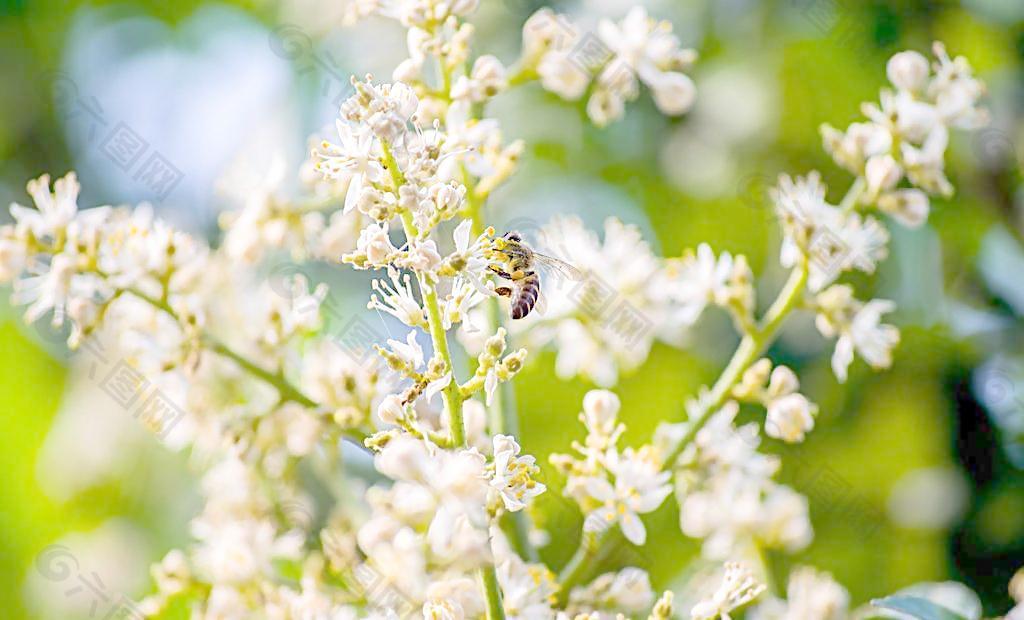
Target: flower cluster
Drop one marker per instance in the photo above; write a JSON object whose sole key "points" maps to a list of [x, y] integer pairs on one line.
{"points": [[727, 496], [612, 486], [790, 416], [906, 136], [608, 66], [604, 322]]}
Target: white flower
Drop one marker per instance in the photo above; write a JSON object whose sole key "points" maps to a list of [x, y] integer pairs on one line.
{"points": [[865, 241], [513, 474], [409, 351], [882, 173], [790, 417], [375, 243], [729, 498], [238, 551], [562, 75], [600, 411], [527, 589], [801, 207], [355, 156], [626, 591], [925, 165], [397, 299], [738, 587], [545, 30], [782, 381], [908, 71], [384, 108], [265, 220], [866, 335], [605, 106], [442, 610], [51, 290], [640, 487], [784, 520], [903, 115], [54, 211], [650, 50], [694, 281], [468, 142], [581, 352], [276, 316], [13, 254], [956, 91], [859, 328], [606, 323], [860, 141], [422, 257], [832, 240], [486, 80], [390, 410], [674, 93], [907, 206], [405, 458], [811, 595], [469, 257]]}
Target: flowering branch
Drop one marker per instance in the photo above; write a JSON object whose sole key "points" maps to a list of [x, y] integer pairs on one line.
{"points": [[820, 242], [419, 150]]}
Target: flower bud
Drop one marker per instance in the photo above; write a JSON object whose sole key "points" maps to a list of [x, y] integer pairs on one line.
{"points": [[375, 244], [463, 8], [753, 379], [390, 409], [907, 206], [496, 343], [783, 382], [908, 71], [1016, 588], [490, 74], [882, 173], [600, 408], [409, 70], [541, 31], [674, 93], [790, 417], [562, 76]]}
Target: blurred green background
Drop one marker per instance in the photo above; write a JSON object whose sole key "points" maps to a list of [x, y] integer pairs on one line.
{"points": [[939, 434]]}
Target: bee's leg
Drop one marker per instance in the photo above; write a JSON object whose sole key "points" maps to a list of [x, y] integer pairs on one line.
{"points": [[500, 272], [504, 291]]}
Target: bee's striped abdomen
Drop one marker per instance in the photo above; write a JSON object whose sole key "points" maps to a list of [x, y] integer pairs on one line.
{"points": [[527, 291]]}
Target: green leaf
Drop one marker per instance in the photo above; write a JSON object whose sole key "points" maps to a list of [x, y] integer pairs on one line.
{"points": [[920, 608]]}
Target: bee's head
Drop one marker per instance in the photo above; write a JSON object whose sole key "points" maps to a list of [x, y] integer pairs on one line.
{"points": [[513, 235]]}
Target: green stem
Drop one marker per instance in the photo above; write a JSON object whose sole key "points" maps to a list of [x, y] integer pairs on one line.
{"points": [[451, 394], [287, 391], [768, 569], [849, 202], [522, 75], [749, 350], [489, 579], [576, 569]]}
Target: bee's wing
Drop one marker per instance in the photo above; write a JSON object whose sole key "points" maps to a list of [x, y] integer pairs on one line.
{"points": [[558, 265], [541, 307]]}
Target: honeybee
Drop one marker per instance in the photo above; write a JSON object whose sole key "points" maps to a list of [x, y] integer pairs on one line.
{"points": [[517, 263]]}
